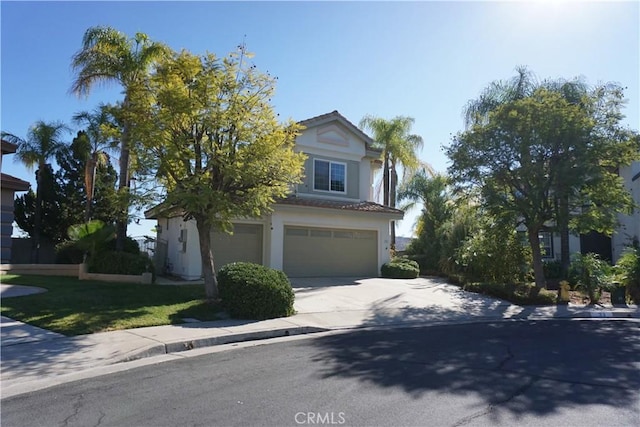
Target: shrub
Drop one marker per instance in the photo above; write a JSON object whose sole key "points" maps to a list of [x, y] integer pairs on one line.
{"points": [[253, 291], [628, 272], [112, 262], [552, 269], [68, 253], [494, 253], [522, 294], [130, 246], [589, 273], [400, 268]]}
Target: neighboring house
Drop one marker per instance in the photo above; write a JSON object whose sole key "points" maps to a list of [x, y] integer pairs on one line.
{"points": [[609, 248], [9, 186], [328, 226], [629, 230]]}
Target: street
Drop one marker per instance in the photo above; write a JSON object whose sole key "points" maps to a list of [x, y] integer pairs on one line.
{"points": [[525, 373]]}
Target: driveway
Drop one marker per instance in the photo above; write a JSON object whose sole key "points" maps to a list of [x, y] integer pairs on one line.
{"points": [[378, 301]]}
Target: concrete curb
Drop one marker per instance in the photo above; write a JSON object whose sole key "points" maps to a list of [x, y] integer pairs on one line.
{"points": [[182, 345], [178, 346]]}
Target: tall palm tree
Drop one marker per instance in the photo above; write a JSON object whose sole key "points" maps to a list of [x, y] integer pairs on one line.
{"points": [[399, 148], [432, 190], [499, 93], [43, 141], [102, 134], [108, 56]]}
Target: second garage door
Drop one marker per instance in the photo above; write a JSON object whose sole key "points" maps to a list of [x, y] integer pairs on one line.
{"points": [[244, 245], [322, 252]]}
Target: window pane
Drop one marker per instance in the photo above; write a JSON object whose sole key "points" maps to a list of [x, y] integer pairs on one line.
{"points": [[337, 177], [321, 175], [297, 231], [320, 233], [546, 244], [343, 234]]}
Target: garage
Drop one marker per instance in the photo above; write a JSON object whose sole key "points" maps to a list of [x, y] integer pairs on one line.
{"points": [[322, 252], [245, 244]]}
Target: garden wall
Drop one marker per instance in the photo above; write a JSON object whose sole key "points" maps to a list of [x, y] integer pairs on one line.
{"points": [[72, 270]]}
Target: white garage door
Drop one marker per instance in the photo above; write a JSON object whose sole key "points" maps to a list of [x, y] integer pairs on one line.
{"points": [[244, 245], [321, 252]]}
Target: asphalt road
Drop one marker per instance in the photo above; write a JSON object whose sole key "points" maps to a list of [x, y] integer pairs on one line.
{"points": [[546, 373]]}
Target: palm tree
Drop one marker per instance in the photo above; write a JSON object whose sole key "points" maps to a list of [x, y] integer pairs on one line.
{"points": [[109, 56], [43, 141], [499, 93], [399, 148], [101, 133], [432, 190]]}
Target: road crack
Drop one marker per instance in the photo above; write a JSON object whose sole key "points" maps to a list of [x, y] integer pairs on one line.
{"points": [[520, 390], [506, 359], [102, 415], [76, 409]]}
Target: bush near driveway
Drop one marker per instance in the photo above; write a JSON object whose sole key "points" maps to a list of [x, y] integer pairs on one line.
{"points": [[253, 291], [400, 268], [74, 307]]}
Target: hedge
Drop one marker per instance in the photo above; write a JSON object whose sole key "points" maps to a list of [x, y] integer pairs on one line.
{"points": [[253, 291]]}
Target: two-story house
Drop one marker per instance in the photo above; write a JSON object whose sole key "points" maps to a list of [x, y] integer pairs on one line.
{"points": [[328, 226]]}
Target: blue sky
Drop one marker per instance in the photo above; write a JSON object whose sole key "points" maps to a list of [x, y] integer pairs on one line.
{"points": [[420, 59]]}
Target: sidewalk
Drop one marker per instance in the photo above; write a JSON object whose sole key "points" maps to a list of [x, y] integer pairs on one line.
{"points": [[321, 305]]}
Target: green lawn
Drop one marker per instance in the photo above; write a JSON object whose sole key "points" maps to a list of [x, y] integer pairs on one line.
{"points": [[74, 307]]}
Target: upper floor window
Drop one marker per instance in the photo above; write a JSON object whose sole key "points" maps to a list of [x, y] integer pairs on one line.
{"points": [[329, 176]]}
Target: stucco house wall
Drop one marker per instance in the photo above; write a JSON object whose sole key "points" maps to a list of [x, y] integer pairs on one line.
{"points": [[629, 229]]}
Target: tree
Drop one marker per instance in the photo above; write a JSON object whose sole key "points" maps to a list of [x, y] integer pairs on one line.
{"points": [[603, 104], [43, 141], [517, 154], [52, 226], [221, 153], [72, 185], [109, 56], [102, 135], [499, 93], [399, 148], [438, 205]]}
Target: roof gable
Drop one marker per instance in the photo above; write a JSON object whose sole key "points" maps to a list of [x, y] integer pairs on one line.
{"points": [[331, 127]]}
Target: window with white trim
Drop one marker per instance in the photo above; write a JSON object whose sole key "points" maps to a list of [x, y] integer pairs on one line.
{"points": [[546, 244], [329, 176]]}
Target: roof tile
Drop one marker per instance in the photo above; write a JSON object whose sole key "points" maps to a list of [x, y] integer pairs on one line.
{"points": [[340, 205]]}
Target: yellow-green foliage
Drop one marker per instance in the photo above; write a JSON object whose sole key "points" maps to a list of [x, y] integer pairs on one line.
{"points": [[221, 151]]}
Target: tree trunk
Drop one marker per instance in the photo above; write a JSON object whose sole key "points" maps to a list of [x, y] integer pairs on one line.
{"points": [[393, 187], [123, 188], [563, 227], [37, 220], [90, 177], [385, 180], [208, 265], [538, 271]]}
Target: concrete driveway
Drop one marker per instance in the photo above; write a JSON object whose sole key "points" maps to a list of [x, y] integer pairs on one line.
{"points": [[378, 301]]}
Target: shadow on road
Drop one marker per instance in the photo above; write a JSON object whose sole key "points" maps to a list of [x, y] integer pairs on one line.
{"points": [[515, 368]]}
